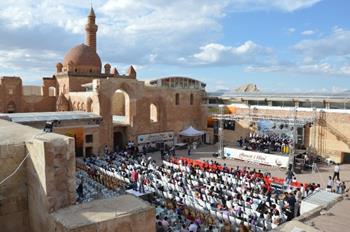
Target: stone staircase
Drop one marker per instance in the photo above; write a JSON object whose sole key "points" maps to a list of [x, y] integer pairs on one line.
{"points": [[339, 135]]}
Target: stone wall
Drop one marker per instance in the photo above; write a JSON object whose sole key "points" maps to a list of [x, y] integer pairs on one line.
{"points": [[10, 94], [51, 177], [13, 193], [125, 213], [43, 184], [172, 117], [39, 103]]}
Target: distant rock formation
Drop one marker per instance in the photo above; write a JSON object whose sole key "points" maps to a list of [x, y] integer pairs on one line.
{"points": [[248, 88]]}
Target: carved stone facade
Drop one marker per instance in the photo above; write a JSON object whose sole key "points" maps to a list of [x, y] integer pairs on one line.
{"points": [[62, 103]]}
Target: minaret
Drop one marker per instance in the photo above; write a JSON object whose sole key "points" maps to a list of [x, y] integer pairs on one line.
{"points": [[91, 29]]}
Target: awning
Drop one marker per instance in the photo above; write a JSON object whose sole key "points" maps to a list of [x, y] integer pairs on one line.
{"points": [[191, 132]]}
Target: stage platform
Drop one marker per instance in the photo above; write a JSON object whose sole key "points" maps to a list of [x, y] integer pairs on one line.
{"points": [[269, 159]]}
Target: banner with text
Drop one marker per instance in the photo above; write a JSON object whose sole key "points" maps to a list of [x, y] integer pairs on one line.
{"points": [[156, 137], [257, 157]]}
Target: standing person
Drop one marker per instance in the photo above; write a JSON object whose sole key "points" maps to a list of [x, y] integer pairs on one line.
{"points": [[329, 184], [343, 188], [289, 176], [240, 142], [161, 148], [106, 150], [291, 203], [141, 179], [336, 171], [298, 198], [144, 150], [80, 191], [165, 224], [338, 185], [172, 151], [134, 178], [189, 150], [162, 154]]}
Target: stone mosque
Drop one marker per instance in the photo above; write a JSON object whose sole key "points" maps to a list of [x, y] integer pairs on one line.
{"points": [[121, 107]]}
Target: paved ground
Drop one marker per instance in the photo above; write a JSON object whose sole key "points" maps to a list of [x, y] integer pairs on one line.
{"points": [[337, 220]]}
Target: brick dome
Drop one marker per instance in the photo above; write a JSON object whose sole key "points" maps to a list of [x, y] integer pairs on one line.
{"points": [[82, 58]]}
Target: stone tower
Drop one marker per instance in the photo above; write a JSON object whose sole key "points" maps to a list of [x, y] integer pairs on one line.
{"points": [[91, 29]]}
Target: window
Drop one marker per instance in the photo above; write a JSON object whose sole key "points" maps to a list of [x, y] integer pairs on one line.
{"points": [[177, 99], [88, 138], [191, 99], [10, 91], [153, 113]]}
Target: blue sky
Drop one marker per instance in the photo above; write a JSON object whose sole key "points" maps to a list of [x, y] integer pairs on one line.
{"points": [[280, 45]]}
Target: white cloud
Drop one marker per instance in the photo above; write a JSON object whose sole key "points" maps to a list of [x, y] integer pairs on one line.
{"points": [[328, 56], [291, 30], [247, 53], [26, 58], [308, 32], [30, 14], [298, 68], [335, 44], [284, 5], [130, 31], [30, 65], [138, 32], [338, 89]]}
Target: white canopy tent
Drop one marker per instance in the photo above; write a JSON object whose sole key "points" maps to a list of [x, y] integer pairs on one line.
{"points": [[191, 132]]}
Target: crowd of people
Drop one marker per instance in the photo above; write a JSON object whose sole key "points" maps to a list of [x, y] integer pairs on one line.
{"points": [[266, 143], [334, 184], [207, 194], [88, 189]]}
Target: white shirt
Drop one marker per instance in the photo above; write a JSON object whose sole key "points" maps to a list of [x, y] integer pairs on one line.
{"points": [[330, 183], [193, 227], [336, 168]]}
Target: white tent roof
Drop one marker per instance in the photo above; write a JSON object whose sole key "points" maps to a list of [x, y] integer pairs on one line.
{"points": [[191, 132]]}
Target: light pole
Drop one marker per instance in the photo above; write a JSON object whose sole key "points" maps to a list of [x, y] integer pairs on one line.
{"points": [[295, 138], [314, 129], [221, 131]]}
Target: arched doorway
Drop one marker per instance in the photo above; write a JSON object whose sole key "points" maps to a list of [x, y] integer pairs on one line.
{"points": [[11, 107], [118, 141], [78, 135], [121, 107]]}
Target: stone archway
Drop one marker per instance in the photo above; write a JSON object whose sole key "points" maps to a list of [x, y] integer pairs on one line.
{"points": [[11, 107], [120, 107], [106, 90]]}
